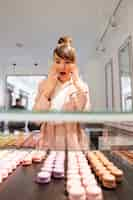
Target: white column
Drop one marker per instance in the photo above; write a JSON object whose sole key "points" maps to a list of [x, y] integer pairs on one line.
{"points": [[2, 86]]}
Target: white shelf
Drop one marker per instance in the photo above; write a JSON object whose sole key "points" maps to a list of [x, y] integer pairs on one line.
{"points": [[66, 117]]}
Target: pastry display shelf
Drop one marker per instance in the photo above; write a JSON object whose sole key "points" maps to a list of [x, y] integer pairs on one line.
{"points": [[21, 185]]}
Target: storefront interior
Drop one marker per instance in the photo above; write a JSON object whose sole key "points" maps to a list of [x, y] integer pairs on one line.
{"points": [[102, 33]]}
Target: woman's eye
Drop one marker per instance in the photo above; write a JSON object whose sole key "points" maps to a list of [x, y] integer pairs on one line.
{"points": [[67, 62]]}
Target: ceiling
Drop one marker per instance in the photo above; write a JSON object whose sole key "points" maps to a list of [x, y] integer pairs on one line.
{"points": [[39, 24]]}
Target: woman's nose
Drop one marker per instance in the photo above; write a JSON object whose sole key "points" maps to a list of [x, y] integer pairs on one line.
{"points": [[64, 65]]}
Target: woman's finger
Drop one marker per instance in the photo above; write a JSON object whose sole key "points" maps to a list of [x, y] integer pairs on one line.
{"points": [[75, 75]]}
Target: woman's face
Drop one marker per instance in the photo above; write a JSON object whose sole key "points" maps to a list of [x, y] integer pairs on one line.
{"points": [[64, 68]]}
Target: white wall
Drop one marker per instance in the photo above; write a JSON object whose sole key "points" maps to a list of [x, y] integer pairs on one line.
{"points": [[26, 70], [114, 39], [2, 85], [93, 74]]}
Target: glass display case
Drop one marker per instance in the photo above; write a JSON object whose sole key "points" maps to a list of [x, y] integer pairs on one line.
{"points": [[24, 143]]}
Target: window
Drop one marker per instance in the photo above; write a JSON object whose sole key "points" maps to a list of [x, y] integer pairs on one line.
{"points": [[126, 75], [24, 87]]}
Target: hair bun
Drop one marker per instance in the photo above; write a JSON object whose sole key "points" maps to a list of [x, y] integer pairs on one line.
{"points": [[65, 40]]}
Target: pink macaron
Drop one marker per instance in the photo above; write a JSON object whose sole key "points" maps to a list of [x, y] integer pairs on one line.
{"points": [[43, 177], [72, 182], [3, 173], [94, 192], [77, 192]]}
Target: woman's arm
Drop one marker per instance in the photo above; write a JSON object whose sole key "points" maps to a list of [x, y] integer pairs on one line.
{"points": [[84, 98], [45, 90], [78, 100], [42, 101], [81, 99], [41, 104]]}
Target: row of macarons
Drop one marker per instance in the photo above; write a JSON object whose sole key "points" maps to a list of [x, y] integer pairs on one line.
{"points": [[78, 167], [11, 159], [53, 166], [81, 182], [106, 171]]}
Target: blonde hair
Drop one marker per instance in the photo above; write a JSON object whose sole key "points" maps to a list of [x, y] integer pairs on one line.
{"points": [[64, 49]]}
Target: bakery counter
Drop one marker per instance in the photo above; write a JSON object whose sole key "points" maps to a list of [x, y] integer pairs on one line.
{"points": [[21, 184]]}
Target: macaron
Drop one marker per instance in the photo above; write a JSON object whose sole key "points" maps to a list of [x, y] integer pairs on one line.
{"points": [[94, 192], [3, 173], [43, 177], [0, 179], [109, 181], [77, 192], [58, 173], [27, 161], [118, 174]]}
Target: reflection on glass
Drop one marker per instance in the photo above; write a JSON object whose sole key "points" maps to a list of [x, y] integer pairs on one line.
{"points": [[126, 76], [28, 135]]}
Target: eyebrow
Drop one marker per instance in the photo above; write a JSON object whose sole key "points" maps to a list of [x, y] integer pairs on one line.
{"points": [[57, 60]]}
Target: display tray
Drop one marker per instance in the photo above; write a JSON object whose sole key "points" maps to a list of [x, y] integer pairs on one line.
{"points": [[20, 185], [124, 191]]}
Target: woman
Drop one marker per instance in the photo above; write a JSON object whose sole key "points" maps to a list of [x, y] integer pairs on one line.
{"points": [[63, 91]]}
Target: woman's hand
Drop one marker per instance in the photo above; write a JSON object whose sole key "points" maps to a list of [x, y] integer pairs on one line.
{"points": [[75, 75], [45, 89], [75, 78], [82, 99], [51, 81], [42, 103]]}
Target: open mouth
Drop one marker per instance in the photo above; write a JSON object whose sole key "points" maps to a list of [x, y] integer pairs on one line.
{"points": [[62, 73]]}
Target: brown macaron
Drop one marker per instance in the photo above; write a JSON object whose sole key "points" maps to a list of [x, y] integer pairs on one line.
{"points": [[103, 172], [118, 174], [109, 181], [110, 165]]}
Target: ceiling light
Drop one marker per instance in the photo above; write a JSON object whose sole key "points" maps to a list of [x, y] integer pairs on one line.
{"points": [[113, 22], [35, 64], [19, 45], [101, 48]]}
